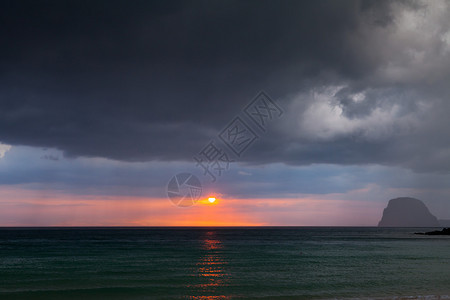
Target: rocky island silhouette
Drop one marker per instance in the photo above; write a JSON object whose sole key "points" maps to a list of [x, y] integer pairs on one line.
{"points": [[407, 212]]}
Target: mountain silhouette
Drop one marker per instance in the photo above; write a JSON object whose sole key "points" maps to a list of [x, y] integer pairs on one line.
{"points": [[407, 212]]}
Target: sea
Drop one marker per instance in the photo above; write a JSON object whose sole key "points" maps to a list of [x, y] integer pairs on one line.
{"points": [[223, 263]]}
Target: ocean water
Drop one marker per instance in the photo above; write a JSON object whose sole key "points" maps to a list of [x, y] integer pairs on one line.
{"points": [[223, 263]]}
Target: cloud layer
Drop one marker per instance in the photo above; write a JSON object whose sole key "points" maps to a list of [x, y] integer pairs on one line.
{"points": [[361, 82]]}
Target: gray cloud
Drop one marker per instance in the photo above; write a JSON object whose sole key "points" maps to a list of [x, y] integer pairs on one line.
{"points": [[361, 82]]}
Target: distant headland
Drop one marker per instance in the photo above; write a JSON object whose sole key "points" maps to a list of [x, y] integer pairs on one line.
{"points": [[408, 212], [445, 231]]}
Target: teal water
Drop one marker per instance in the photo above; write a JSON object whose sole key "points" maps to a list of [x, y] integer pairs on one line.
{"points": [[222, 263]]}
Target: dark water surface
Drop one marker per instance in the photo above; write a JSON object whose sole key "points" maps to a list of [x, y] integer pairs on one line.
{"points": [[222, 263]]}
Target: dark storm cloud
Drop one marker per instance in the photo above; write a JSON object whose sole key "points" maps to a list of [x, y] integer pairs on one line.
{"points": [[153, 80]]}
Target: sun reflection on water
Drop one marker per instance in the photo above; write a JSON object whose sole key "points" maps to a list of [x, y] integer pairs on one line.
{"points": [[210, 268]]}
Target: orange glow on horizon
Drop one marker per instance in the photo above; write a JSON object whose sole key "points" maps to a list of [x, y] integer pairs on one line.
{"points": [[24, 207]]}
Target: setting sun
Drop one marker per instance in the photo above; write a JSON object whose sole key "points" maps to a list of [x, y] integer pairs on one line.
{"points": [[212, 200]]}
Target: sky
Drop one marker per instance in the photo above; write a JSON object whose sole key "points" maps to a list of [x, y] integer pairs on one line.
{"points": [[287, 112]]}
